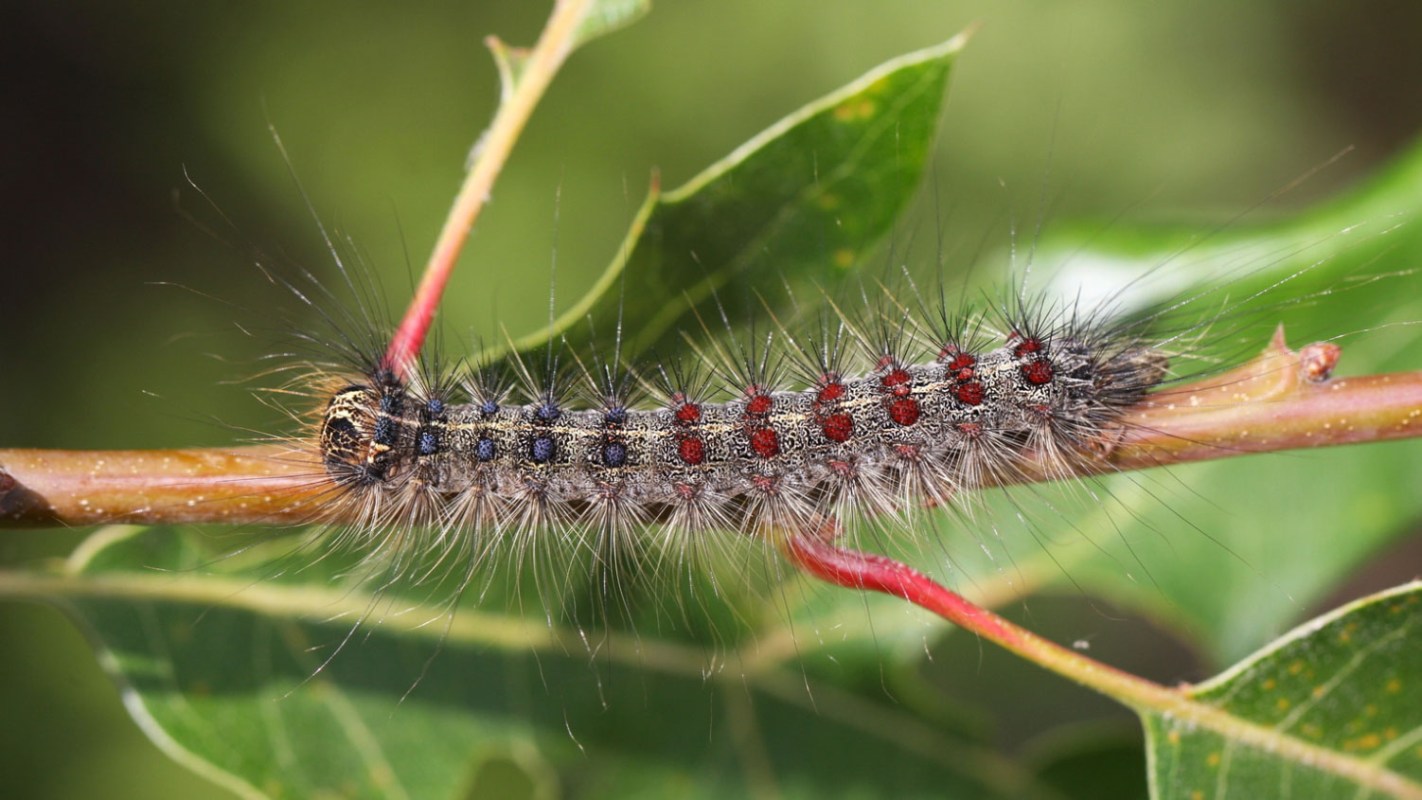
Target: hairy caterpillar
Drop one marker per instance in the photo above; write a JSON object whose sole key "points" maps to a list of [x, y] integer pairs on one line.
{"points": [[875, 431]]}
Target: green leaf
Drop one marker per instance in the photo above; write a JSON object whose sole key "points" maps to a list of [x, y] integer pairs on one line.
{"points": [[607, 16], [1268, 527], [789, 215], [1333, 709], [259, 681]]}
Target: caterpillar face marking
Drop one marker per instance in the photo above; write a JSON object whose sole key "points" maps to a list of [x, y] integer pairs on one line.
{"points": [[903, 430], [348, 433]]}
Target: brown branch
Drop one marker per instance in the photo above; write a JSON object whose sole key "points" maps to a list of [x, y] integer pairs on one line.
{"points": [[44, 488], [1280, 400]]}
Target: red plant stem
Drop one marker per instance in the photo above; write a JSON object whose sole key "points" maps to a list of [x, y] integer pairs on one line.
{"points": [[852, 569], [521, 95], [866, 572]]}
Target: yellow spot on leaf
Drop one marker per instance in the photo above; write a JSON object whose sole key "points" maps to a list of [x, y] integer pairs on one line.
{"points": [[1393, 686], [1369, 741], [1296, 667], [1269, 684], [844, 258], [1282, 704], [1173, 737], [855, 110], [1213, 759]]}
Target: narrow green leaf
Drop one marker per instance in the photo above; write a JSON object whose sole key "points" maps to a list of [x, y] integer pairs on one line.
{"points": [[1333, 709], [799, 207]]}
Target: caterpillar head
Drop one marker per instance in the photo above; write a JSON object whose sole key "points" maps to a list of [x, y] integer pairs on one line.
{"points": [[351, 436]]}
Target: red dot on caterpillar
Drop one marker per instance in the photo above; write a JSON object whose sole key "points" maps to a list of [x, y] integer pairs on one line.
{"points": [[897, 382], [831, 388], [691, 451], [760, 404], [765, 442], [838, 427], [687, 413], [959, 362], [904, 411], [1038, 372], [1027, 346]]}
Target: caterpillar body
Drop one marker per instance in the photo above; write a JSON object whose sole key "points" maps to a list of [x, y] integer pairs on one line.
{"points": [[879, 437]]}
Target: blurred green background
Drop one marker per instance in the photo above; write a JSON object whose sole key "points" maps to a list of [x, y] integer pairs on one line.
{"points": [[133, 317]]}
